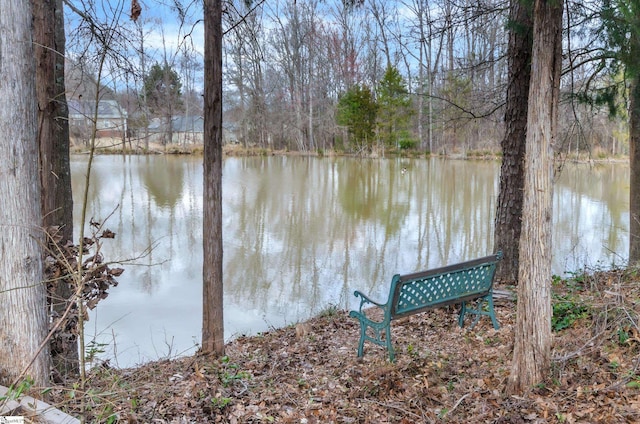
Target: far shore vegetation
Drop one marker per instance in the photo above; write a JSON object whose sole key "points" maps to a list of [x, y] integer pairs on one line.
{"points": [[135, 147]]}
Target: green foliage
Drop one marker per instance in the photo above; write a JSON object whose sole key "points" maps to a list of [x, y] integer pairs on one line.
{"points": [[339, 144], [406, 142], [450, 386], [566, 311], [623, 336], [93, 349], [18, 390], [457, 91], [620, 34], [490, 341], [609, 96], [412, 351], [394, 107], [576, 282], [163, 89], [220, 403], [330, 311], [230, 372], [112, 419], [634, 381], [357, 110], [634, 384]]}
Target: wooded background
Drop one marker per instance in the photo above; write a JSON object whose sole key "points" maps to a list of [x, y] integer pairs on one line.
{"points": [[426, 75]]}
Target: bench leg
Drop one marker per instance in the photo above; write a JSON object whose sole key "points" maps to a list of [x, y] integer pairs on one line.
{"points": [[463, 311], [492, 313], [363, 331], [392, 356], [381, 333], [479, 312]]}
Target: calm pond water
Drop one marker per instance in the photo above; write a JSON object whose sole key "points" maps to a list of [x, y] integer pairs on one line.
{"points": [[301, 234]]}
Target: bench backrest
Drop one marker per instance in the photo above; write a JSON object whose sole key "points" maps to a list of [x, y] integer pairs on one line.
{"points": [[412, 293]]}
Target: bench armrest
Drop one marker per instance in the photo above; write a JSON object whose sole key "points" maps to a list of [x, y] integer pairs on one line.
{"points": [[364, 300]]}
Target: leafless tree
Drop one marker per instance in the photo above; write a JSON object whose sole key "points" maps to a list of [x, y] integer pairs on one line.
{"points": [[212, 282], [23, 318], [508, 223], [244, 43], [532, 348], [53, 140]]}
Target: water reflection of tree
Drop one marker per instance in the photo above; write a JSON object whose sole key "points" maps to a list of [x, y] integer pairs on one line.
{"points": [[580, 191], [295, 240], [246, 278], [310, 231], [164, 180], [375, 190], [454, 203]]}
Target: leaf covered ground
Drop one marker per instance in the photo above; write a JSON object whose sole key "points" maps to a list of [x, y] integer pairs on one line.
{"points": [[309, 373]]}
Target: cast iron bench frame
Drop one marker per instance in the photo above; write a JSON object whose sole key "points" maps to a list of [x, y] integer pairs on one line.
{"points": [[413, 293]]}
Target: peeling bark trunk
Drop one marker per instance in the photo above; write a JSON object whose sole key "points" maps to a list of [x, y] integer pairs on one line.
{"points": [[53, 141], [23, 318], [634, 162], [532, 346]]}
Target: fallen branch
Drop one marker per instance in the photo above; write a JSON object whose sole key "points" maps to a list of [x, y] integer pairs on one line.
{"points": [[455, 406], [388, 405]]}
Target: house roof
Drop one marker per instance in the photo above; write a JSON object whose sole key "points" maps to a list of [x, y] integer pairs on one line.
{"points": [[188, 123], [179, 123], [107, 109]]}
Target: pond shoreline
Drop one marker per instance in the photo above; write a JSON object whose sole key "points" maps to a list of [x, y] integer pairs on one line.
{"points": [[353, 230], [109, 146], [443, 372]]}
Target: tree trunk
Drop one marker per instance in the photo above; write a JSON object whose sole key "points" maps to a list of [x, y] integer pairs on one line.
{"points": [[212, 316], [634, 162], [23, 318], [532, 347], [379, 13], [508, 222], [143, 93], [55, 169]]}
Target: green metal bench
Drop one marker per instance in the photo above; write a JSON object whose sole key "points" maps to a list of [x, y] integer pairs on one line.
{"points": [[420, 291]]}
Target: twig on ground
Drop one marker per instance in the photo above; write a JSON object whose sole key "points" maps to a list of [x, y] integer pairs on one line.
{"points": [[456, 405], [388, 405]]}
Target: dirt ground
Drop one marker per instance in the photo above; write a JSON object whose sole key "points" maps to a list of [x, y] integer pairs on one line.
{"points": [[309, 373]]}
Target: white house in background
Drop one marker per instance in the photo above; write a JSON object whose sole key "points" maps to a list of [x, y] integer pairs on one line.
{"points": [[185, 129], [111, 119]]}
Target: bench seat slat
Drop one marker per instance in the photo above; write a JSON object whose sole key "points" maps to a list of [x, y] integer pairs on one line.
{"points": [[452, 300], [423, 292], [474, 263], [420, 291]]}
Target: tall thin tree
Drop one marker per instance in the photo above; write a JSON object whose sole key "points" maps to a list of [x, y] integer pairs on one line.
{"points": [[508, 223], [634, 159], [23, 318], [532, 347], [212, 310], [55, 168]]}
